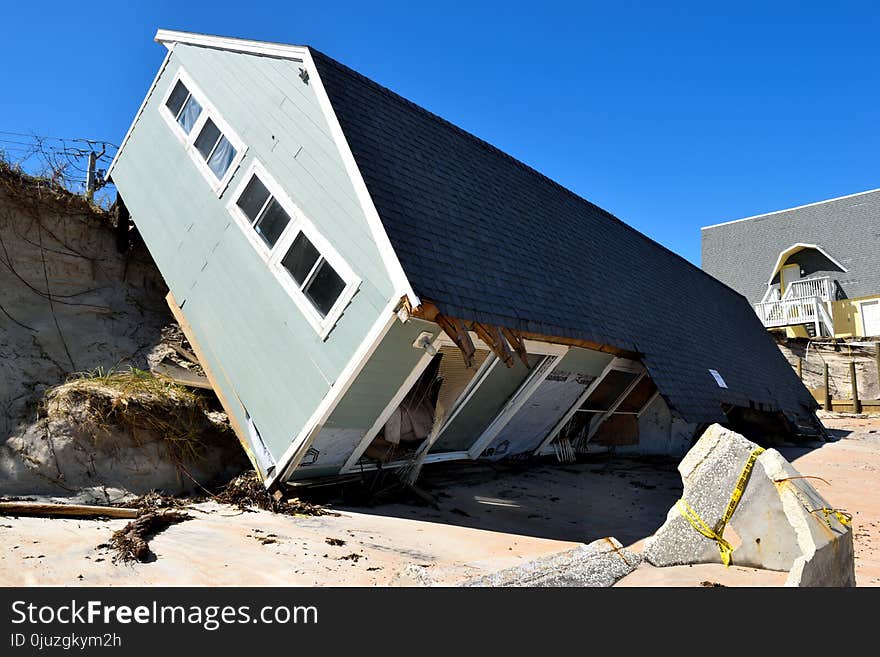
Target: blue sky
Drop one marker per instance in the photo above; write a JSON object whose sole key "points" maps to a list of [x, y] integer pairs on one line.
{"points": [[670, 115]]}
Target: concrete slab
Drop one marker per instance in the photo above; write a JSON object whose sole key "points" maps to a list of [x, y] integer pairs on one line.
{"points": [[781, 522], [599, 564]]}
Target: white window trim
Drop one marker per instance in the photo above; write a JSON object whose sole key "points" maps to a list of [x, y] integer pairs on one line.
{"points": [[272, 257], [188, 140]]}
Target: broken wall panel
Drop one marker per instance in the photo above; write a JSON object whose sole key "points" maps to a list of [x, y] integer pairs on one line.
{"points": [[372, 391], [618, 430], [487, 401], [552, 399]]}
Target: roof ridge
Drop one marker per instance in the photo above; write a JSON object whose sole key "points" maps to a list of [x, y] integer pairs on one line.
{"points": [[793, 208], [519, 163]]}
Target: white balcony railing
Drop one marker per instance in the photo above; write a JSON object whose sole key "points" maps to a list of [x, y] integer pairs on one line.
{"points": [[787, 312], [807, 288], [807, 301]]}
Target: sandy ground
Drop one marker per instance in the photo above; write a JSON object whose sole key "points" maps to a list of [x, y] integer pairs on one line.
{"points": [[488, 518]]}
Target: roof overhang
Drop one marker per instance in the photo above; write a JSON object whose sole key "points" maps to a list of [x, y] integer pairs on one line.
{"points": [[795, 248], [266, 48]]}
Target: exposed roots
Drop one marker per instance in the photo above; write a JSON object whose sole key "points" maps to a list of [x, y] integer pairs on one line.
{"points": [[139, 403]]}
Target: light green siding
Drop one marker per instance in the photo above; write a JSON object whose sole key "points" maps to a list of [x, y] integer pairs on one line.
{"points": [[260, 345]]}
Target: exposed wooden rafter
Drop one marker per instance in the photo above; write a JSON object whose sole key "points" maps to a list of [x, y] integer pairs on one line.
{"points": [[516, 341], [459, 335], [492, 336], [501, 339]]}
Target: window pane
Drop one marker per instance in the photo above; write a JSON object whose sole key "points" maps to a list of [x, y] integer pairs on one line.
{"points": [[325, 288], [221, 158], [207, 138], [175, 100], [253, 198], [272, 223], [301, 258], [189, 114]]}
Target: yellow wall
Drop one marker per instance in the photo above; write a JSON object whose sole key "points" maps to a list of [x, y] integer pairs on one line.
{"points": [[847, 318]]}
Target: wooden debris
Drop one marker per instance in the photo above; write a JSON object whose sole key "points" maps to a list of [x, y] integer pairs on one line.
{"points": [[519, 345], [132, 542], [182, 376], [65, 510]]}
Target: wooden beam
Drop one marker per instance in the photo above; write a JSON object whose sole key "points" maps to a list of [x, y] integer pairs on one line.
{"points": [[516, 341], [240, 432], [456, 331], [429, 311], [65, 510], [857, 406], [492, 336]]}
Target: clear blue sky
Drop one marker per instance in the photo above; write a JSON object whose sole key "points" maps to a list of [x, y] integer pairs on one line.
{"points": [[670, 115]]}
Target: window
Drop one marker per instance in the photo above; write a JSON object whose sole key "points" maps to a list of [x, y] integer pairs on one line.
{"points": [[183, 106], [211, 144], [315, 276]]}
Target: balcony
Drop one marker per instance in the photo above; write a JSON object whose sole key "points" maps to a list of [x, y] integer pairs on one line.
{"points": [[805, 302]]}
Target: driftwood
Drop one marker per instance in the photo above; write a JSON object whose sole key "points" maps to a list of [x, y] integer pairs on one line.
{"points": [[132, 541], [66, 510]]}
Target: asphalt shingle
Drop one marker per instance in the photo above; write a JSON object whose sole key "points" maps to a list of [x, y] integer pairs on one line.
{"points": [[489, 239]]}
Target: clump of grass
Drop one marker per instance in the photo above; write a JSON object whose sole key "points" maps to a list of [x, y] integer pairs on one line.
{"points": [[140, 403]]}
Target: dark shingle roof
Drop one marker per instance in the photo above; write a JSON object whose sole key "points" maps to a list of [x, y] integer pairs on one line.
{"points": [[742, 253], [490, 239]]}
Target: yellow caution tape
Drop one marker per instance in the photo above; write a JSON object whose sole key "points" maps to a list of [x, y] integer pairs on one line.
{"points": [[700, 525], [717, 533], [843, 517]]}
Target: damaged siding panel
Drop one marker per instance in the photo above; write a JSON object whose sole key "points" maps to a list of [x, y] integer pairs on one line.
{"points": [[550, 402], [369, 395], [259, 339]]}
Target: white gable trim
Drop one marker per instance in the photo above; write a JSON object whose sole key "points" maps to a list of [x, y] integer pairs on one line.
{"points": [[800, 246], [399, 280], [266, 48]]}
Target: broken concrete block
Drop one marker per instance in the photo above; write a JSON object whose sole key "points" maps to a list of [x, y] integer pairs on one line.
{"points": [[780, 523], [598, 564]]}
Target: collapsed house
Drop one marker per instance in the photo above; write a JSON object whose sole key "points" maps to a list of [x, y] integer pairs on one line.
{"points": [[369, 286]]}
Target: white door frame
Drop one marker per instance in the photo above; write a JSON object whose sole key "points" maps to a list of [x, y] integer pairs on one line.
{"points": [[553, 353], [862, 304], [620, 364], [442, 340]]}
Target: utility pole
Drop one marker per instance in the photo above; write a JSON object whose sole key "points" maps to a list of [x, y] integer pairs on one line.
{"points": [[91, 171], [90, 175]]}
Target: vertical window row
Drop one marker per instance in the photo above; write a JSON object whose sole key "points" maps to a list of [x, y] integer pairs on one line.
{"points": [[290, 249], [215, 150]]}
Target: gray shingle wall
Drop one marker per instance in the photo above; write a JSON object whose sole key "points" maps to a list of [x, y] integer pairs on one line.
{"points": [[492, 240], [741, 254]]}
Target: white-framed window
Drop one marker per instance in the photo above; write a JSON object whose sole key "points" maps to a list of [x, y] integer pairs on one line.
{"points": [[317, 278], [211, 143]]}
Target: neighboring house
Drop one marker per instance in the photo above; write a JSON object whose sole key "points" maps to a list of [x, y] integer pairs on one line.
{"points": [[813, 270], [368, 285]]}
